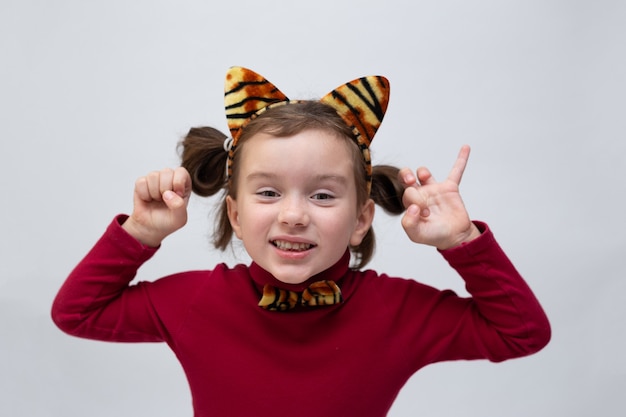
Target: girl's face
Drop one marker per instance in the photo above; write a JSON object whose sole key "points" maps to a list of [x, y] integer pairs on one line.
{"points": [[296, 206]]}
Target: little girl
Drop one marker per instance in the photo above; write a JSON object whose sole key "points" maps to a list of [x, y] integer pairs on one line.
{"points": [[301, 331]]}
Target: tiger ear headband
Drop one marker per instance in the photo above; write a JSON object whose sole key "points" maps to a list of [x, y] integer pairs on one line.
{"points": [[361, 103]]}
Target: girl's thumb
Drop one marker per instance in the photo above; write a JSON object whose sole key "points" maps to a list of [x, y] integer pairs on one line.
{"points": [[173, 200]]}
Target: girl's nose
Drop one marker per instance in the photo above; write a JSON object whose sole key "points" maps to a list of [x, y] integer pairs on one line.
{"points": [[293, 212]]}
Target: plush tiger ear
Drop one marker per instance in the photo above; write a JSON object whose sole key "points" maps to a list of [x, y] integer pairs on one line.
{"points": [[362, 104], [245, 94]]}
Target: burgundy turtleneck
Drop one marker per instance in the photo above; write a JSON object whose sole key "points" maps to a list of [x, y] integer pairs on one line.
{"points": [[347, 359]]}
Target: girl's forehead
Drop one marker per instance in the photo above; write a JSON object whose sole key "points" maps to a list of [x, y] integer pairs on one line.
{"points": [[310, 149], [312, 141]]}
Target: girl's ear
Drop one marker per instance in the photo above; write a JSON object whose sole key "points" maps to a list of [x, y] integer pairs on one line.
{"points": [[233, 215], [363, 222]]}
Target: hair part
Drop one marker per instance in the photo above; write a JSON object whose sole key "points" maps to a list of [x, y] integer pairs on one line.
{"points": [[203, 155]]}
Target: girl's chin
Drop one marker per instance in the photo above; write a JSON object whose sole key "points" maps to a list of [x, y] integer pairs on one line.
{"points": [[292, 275], [290, 279]]}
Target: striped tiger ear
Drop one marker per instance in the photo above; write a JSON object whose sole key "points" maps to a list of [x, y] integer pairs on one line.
{"points": [[362, 104], [245, 94]]}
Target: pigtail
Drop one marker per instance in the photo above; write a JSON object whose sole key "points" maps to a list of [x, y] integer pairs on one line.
{"points": [[387, 190], [203, 155], [387, 193]]}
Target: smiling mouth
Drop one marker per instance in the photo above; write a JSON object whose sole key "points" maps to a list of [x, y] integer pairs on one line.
{"points": [[292, 246]]}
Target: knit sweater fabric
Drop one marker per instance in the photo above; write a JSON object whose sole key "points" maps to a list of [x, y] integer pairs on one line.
{"points": [[349, 359]]}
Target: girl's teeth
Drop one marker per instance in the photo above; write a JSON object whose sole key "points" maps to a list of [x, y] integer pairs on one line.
{"points": [[291, 245]]}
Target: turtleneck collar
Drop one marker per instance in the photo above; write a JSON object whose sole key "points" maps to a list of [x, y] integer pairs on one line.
{"points": [[261, 277]]}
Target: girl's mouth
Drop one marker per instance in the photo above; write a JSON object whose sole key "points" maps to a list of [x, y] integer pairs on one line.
{"points": [[292, 246]]}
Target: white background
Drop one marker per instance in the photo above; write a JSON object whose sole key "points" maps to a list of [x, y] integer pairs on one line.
{"points": [[96, 93]]}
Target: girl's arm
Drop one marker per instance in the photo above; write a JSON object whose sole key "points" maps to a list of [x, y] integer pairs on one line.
{"points": [[502, 319], [96, 300]]}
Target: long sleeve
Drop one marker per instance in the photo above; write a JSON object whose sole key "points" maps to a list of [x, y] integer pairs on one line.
{"points": [[506, 318], [517, 323], [501, 319], [94, 300]]}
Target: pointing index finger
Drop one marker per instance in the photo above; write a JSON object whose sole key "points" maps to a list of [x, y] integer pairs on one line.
{"points": [[456, 173]]}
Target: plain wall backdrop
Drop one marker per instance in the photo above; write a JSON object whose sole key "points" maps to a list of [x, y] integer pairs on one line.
{"points": [[94, 94]]}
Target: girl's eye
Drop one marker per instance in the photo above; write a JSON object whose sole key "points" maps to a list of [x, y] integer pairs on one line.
{"points": [[322, 196], [267, 193]]}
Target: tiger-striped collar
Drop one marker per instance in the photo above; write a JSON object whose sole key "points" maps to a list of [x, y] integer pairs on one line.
{"points": [[264, 280], [320, 293]]}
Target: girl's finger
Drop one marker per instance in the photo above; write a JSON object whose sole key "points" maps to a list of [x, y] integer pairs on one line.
{"points": [[425, 177], [181, 182], [407, 178], [141, 189], [414, 196], [173, 200], [410, 220], [154, 185], [459, 165], [166, 179]]}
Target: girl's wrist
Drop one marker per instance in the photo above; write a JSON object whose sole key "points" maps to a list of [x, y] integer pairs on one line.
{"points": [[140, 233], [472, 233]]}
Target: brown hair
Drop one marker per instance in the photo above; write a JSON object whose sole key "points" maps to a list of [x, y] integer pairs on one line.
{"points": [[203, 155]]}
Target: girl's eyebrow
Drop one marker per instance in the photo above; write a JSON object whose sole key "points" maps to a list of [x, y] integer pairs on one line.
{"points": [[340, 179], [337, 178], [261, 175]]}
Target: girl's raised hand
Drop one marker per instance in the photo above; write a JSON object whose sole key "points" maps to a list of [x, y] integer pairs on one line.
{"points": [[435, 214], [160, 205]]}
